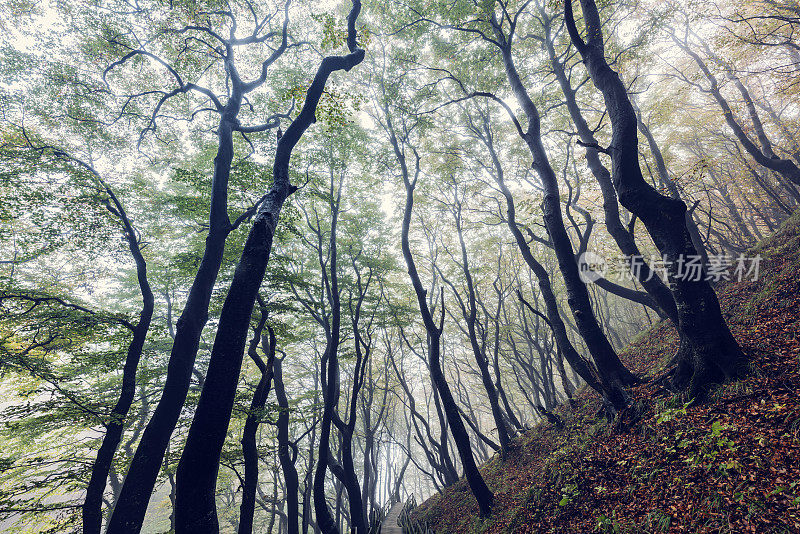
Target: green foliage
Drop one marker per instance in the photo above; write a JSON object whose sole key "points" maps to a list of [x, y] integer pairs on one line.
{"points": [[569, 493]]}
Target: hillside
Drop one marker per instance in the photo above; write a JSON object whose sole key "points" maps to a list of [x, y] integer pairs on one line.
{"points": [[729, 465]]}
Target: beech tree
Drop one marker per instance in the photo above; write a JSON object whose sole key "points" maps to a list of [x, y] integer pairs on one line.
{"points": [[708, 352], [204, 322], [195, 504], [135, 493]]}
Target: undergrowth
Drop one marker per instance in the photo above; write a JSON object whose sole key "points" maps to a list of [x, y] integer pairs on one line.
{"points": [[731, 464]]}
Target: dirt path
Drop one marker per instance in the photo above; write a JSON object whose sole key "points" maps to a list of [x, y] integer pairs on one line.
{"points": [[390, 523]]}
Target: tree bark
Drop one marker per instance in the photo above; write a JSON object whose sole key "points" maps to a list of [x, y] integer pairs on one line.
{"points": [[285, 457], [477, 485], [651, 282], [129, 512]]}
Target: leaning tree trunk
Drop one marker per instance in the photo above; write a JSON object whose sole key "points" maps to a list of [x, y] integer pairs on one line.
{"points": [[513, 420], [470, 314], [92, 504], [708, 351], [585, 370], [666, 179], [613, 374], [650, 281], [762, 155], [129, 512], [199, 464], [249, 433], [443, 466], [290, 478], [480, 490], [477, 485]]}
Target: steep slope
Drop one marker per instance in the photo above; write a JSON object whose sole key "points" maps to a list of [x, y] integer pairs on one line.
{"points": [[729, 465]]}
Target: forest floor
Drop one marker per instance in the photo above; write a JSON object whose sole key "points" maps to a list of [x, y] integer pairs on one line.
{"points": [[731, 464]]}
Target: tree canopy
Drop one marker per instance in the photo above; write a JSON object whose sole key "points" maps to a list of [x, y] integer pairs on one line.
{"points": [[277, 266]]}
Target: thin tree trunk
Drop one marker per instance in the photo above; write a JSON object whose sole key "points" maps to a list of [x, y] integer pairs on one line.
{"points": [[584, 369], [785, 167], [92, 505], [284, 455], [249, 445], [469, 313], [477, 485], [613, 374]]}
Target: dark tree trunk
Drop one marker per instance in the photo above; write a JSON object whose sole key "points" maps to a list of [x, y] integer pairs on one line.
{"points": [[444, 432], [708, 351], [666, 180], [442, 466], [655, 287], [249, 445], [496, 359], [308, 481], [613, 375], [470, 314], [329, 375], [369, 495], [584, 369], [131, 507], [92, 504], [286, 458], [544, 374], [199, 464], [349, 478], [357, 508], [480, 490]]}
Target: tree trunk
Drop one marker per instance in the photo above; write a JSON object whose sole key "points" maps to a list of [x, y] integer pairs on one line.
{"points": [[708, 351], [785, 167], [199, 464], [470, 315], [651, 282], [666, 179], [129, 512], [613, 375], [249, 445], [477, 485], [284, 455], [92, 504], [584, 369], [480, 490]]}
